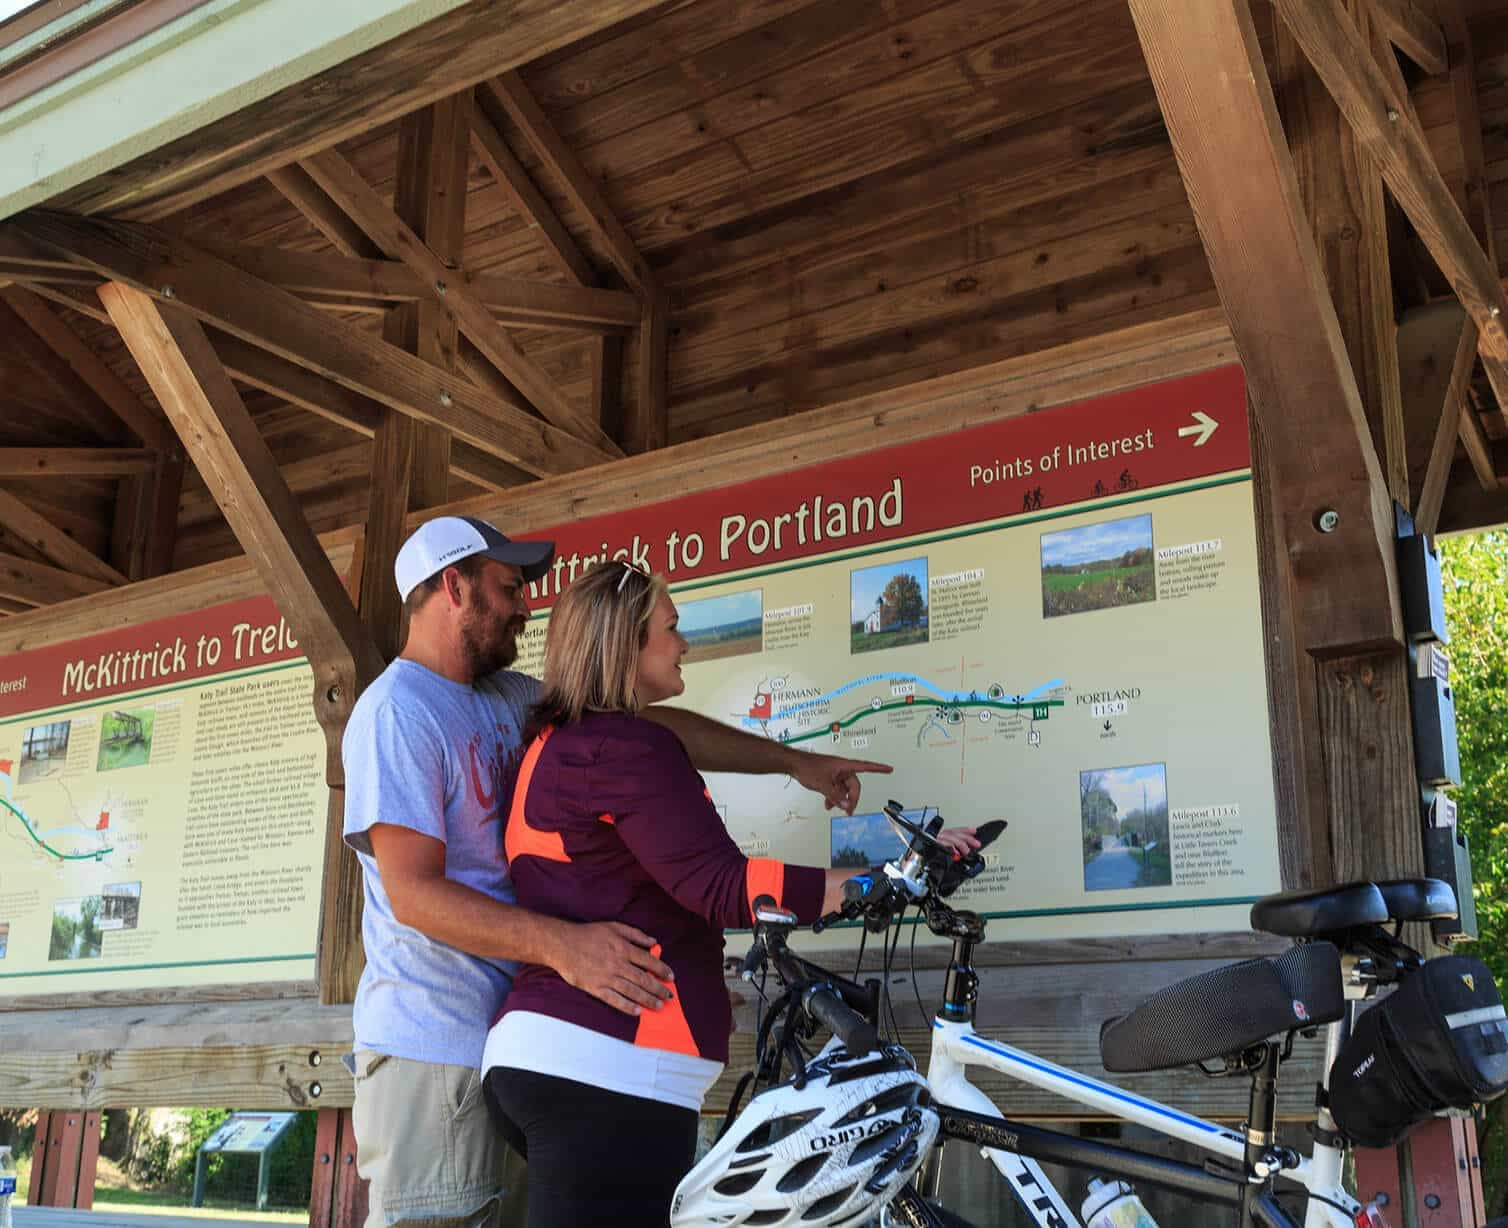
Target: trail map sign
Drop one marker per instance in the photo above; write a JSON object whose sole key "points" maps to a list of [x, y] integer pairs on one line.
{"points": [[162, 807], [1052, 619]]}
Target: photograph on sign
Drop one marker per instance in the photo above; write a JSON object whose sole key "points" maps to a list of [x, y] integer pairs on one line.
{"points": [[1097, 567], [727, 626]]}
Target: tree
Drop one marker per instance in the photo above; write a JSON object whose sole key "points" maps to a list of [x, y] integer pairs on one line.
{"points": [[1476, 604], [904, 595]]}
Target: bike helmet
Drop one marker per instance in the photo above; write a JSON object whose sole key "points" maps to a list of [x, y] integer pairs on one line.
{"points": [[829, 1147]]}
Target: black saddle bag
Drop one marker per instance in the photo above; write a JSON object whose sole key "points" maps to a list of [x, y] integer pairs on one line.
{"points": [[1438, 1041]]}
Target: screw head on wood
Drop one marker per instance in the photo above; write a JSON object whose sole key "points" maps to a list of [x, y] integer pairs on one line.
{"points": [[441, 288], [445, 399], [1392, 115], [169, 292], [315, 1057], [1327, 521], [1494, 311], [333, 695], [314, 1090]]}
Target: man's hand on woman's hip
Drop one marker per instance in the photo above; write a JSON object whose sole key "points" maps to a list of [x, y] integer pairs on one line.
{"points": [[614, 963]]}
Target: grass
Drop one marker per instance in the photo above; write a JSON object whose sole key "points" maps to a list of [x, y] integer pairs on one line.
{"points": [[1076, 592], [114, 1189], [859, 641], [1156, 869]]}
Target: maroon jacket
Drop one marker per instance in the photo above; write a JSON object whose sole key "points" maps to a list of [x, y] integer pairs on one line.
{"points": [[610, 822]]}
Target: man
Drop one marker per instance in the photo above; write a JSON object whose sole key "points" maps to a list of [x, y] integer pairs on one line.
{"points": [[425, 751]]}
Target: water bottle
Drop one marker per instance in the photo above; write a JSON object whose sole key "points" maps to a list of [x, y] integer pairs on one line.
{"points": [[7, 1186], [1110, 1204]]}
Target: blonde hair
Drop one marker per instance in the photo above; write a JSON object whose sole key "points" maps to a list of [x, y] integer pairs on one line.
{"points": [[592, 648]]}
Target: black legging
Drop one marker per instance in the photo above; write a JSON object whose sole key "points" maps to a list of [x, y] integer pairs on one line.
{"points": [[595, 1157]]}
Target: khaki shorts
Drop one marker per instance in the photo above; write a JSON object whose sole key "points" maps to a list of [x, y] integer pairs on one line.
{"points": [[426, 1144]]}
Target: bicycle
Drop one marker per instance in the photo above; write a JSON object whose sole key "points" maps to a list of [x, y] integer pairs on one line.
{"points": [[1343, 953]]}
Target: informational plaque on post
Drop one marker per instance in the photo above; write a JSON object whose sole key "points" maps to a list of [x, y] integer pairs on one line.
{"points": [[1052, 619], [162, 807]]}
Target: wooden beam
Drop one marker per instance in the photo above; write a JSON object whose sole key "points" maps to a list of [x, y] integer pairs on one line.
{"points": [[647, 423], [72, 401], [74, 462], [381, 283], [220, 294], [1476, 201], [321, 212], [341, 181], [451, 52], [527, 200], [38, 584], [1478, 447], [228, 451], [1343, 196], [1469, 507], [337, 403], [145, 530], [51, 542], [510, 93], [607, 386], [1379, 115], [1413, 32], [1212, 85], [1437, 349], [144, 422]]}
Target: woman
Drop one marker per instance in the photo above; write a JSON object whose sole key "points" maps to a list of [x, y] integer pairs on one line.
{"points": [[609, 821]]}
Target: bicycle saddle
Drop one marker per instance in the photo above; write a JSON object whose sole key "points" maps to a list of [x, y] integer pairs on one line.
{"points": [[1226, 1010], [1321, 910], [1418, 899]]}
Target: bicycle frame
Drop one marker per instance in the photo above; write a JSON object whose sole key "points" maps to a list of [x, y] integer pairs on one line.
{"points": [[968, 1113]]}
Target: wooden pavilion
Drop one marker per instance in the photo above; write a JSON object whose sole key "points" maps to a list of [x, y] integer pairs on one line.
{"points": [[549, 260]]}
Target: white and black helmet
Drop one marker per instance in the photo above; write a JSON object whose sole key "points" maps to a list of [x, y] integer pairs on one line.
{"points": [[828, 1148]]}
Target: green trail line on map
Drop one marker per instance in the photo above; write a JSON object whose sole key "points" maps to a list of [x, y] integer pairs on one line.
{"points": [[827, 729], [42, 844]]}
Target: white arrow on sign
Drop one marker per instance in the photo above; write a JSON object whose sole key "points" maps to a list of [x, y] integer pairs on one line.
{"points": [[1204, 426]]}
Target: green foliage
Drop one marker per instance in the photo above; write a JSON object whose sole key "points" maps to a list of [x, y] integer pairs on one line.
{"points": [[1476, 604], [903, 595]]}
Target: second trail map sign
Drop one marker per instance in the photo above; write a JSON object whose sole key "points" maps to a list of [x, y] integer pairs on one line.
{"points": [[1052, 619]]}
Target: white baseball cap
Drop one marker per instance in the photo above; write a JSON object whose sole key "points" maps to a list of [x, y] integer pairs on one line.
{"points": [[446, 540]]}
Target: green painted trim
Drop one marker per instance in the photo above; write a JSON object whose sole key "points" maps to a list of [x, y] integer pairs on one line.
{"points": [[187, 963], [1009, 522], [132, 696], [206, 65]]}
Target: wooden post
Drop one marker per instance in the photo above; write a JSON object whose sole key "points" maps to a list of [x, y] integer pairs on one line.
{"points": [[338, 1194], [65, 1159]]}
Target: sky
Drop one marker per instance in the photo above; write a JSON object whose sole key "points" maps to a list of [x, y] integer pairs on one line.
{"points": [[1125, 787], [1097, 541], [720, 611], [870, 832], [9, 8], [867, 584]]}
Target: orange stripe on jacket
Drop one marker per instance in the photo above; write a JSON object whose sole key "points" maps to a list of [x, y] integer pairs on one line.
{"points": [[521, 840], [666, 1028], [765, 876]]}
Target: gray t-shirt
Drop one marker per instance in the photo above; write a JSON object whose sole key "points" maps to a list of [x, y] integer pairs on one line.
{"points": [[424, 752]]}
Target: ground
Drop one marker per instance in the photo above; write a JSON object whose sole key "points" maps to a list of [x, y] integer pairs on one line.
{"points": [[113, 1188]]}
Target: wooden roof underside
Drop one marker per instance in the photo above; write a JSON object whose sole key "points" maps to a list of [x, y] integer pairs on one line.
{"points": [[835, 197]]}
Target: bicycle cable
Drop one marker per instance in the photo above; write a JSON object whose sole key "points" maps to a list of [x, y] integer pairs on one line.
{"points": [[916, 985], [1305, 1193]]}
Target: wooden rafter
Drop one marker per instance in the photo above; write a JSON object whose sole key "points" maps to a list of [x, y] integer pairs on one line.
{"points": [[38, 584], [379, 283], [1437, 349], [509, 92], [1212, 85], [143, 421], [454, 50], [647, 426], [341, 182], [221, 295], [336, 403], [51, 542], [1413, 32], [526, 198], [197, 394], [321, 212], [74, 462], [1381, 120]]}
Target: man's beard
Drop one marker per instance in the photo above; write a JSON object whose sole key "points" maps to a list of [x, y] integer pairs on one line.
{"points": [[489, 647]]}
